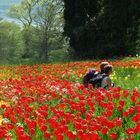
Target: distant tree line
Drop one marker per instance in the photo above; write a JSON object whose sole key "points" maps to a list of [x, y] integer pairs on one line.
{"points": [[59, 30], [38, 36], [102, 28]]}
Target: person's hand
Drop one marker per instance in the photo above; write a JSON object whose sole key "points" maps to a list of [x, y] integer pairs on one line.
{"points": [[112, 84]]}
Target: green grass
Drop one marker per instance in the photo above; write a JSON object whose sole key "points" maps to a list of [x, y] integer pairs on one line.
{"points": [[126, 77]]}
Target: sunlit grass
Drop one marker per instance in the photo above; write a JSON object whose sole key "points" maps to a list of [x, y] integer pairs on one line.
{"points": [[126, 77]]}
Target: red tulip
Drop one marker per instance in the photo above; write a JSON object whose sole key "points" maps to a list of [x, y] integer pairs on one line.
{"points": [[113, 135], [104, 130], [130, 131], [47, 134]]}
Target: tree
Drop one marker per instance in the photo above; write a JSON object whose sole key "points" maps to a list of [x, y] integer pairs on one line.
{"points": [[81, 26], [42, 22], [49, 22], [119, 27], [24, 13], [102, 28], [11, 43]]}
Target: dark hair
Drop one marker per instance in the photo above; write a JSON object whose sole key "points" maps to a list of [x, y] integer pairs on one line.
{"points": [[107, 68], [102, 65]]}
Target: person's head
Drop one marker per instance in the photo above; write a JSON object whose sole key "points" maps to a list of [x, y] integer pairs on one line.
{"points": [[102, 65], [108, 69]]}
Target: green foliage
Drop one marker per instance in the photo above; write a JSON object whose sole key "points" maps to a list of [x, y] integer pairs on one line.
{"points": [[94, 29], [59, 55], [102, 28], [23, 13], [11, 43], [42, 23], [126, 77], [49, 21]]}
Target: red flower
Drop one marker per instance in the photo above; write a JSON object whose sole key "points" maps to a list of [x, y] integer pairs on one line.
{"points": [[2, 131], [59, 136], [110, 124], [70, 134], [125, 93], [32, 131], [10, 126], [136, 117], [13, 119], [113, 135], [130, 131], [130, 139], [104, 130], [3, 106], [116, 95], [119, 122], [47, 134], [133, 98], [119, 107], [92, 136], [138, 108], [80, 134], [78, 114], [88, 116], [77, 125], [43, 127], [126, 113], [109, 113], [122, 102], [103, 104], [83, 127], [137, 128], [131, 110]]}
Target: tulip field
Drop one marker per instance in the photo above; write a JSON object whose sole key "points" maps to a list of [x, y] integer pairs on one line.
{"points": [[49, 102]]}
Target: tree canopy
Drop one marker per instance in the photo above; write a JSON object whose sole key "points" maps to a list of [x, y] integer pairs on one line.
{"points": [[102, 28]]}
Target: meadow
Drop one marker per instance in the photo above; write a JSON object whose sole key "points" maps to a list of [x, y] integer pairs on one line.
{"points": [[49, 101]]}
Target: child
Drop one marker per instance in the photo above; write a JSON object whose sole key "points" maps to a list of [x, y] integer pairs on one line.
{"points": [[92, 73], [102, 65], [106, 81]]}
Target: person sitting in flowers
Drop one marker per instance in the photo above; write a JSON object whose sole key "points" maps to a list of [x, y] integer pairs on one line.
{"points": [[92, 73], [102, 79], [102, 65], [106, 81]]}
